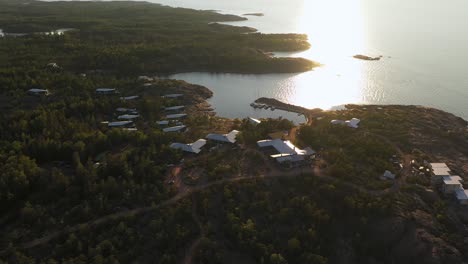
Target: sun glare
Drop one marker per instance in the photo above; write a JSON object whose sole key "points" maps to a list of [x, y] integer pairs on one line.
{"points": [[336, 31]]}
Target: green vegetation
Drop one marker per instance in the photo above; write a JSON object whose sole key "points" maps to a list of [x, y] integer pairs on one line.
{"points": [[132, 38], [72, 190]]}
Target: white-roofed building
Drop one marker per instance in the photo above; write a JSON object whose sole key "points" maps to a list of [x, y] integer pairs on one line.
{"points": [[106, 91], [129, 98], [120, 124], [175, 129], [225, 138], [286, 152], [462, 196], [163, 123], [388, 175], [132, 111], [176, 116], [353, 122], [451, 184], [128, 117], [35, 91], [439, 170], [174, 108], [254, 121], [194, 147]]}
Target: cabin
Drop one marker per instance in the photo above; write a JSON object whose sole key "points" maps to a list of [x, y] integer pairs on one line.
{"points": [[178, 129], [285, 153], [195, 147], [174, 108], [176, 116], [129, 98], [254, 121], [120, 124], [105, 91], [353, 122], [451, 184], [388, 175], [462, 196], [173, 96], [132, 111], [128, 117], [38, 92], [439, 170], [224, 138], [162, 123]]}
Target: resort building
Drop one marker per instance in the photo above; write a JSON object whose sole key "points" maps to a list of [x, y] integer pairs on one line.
{"points": [[224, 138], [106, 91], [162, 123], [285, 153], [38, 91], [179, 129], [175, 108], [176, 116], [451, 184], [462, 196], [172, 96], [128, 117], [353, 123], [132, 111], [194, 147], [439, 170], [388, 175], [129, 98], [254, 121], [120, 124]]}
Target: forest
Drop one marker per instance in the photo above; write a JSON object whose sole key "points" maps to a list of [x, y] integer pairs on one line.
{"points": [[128, 38], [73, 190]]}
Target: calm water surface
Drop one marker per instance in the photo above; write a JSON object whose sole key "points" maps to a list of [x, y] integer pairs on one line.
{"points": [[424, 44]]}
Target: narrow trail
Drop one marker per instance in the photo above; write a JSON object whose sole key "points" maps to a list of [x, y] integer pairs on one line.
{"points": [[186, 192], [190, 253]]}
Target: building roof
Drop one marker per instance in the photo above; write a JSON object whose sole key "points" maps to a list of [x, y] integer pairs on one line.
{"points": [[123, 110], [287, 151], [163, 123], [174, 108], [452, 180], [254, 121], [229, 138], [174, 129], [104, 90], [441, 171], [128, 98], [439, 165], [389, 175], [35, 90], [194, 147], [176, 116], [354, 122], [119, 123], [127, 117], [462, 194]]}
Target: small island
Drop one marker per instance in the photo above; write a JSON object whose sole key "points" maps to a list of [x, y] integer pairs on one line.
{"points": [[368, 58]]}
